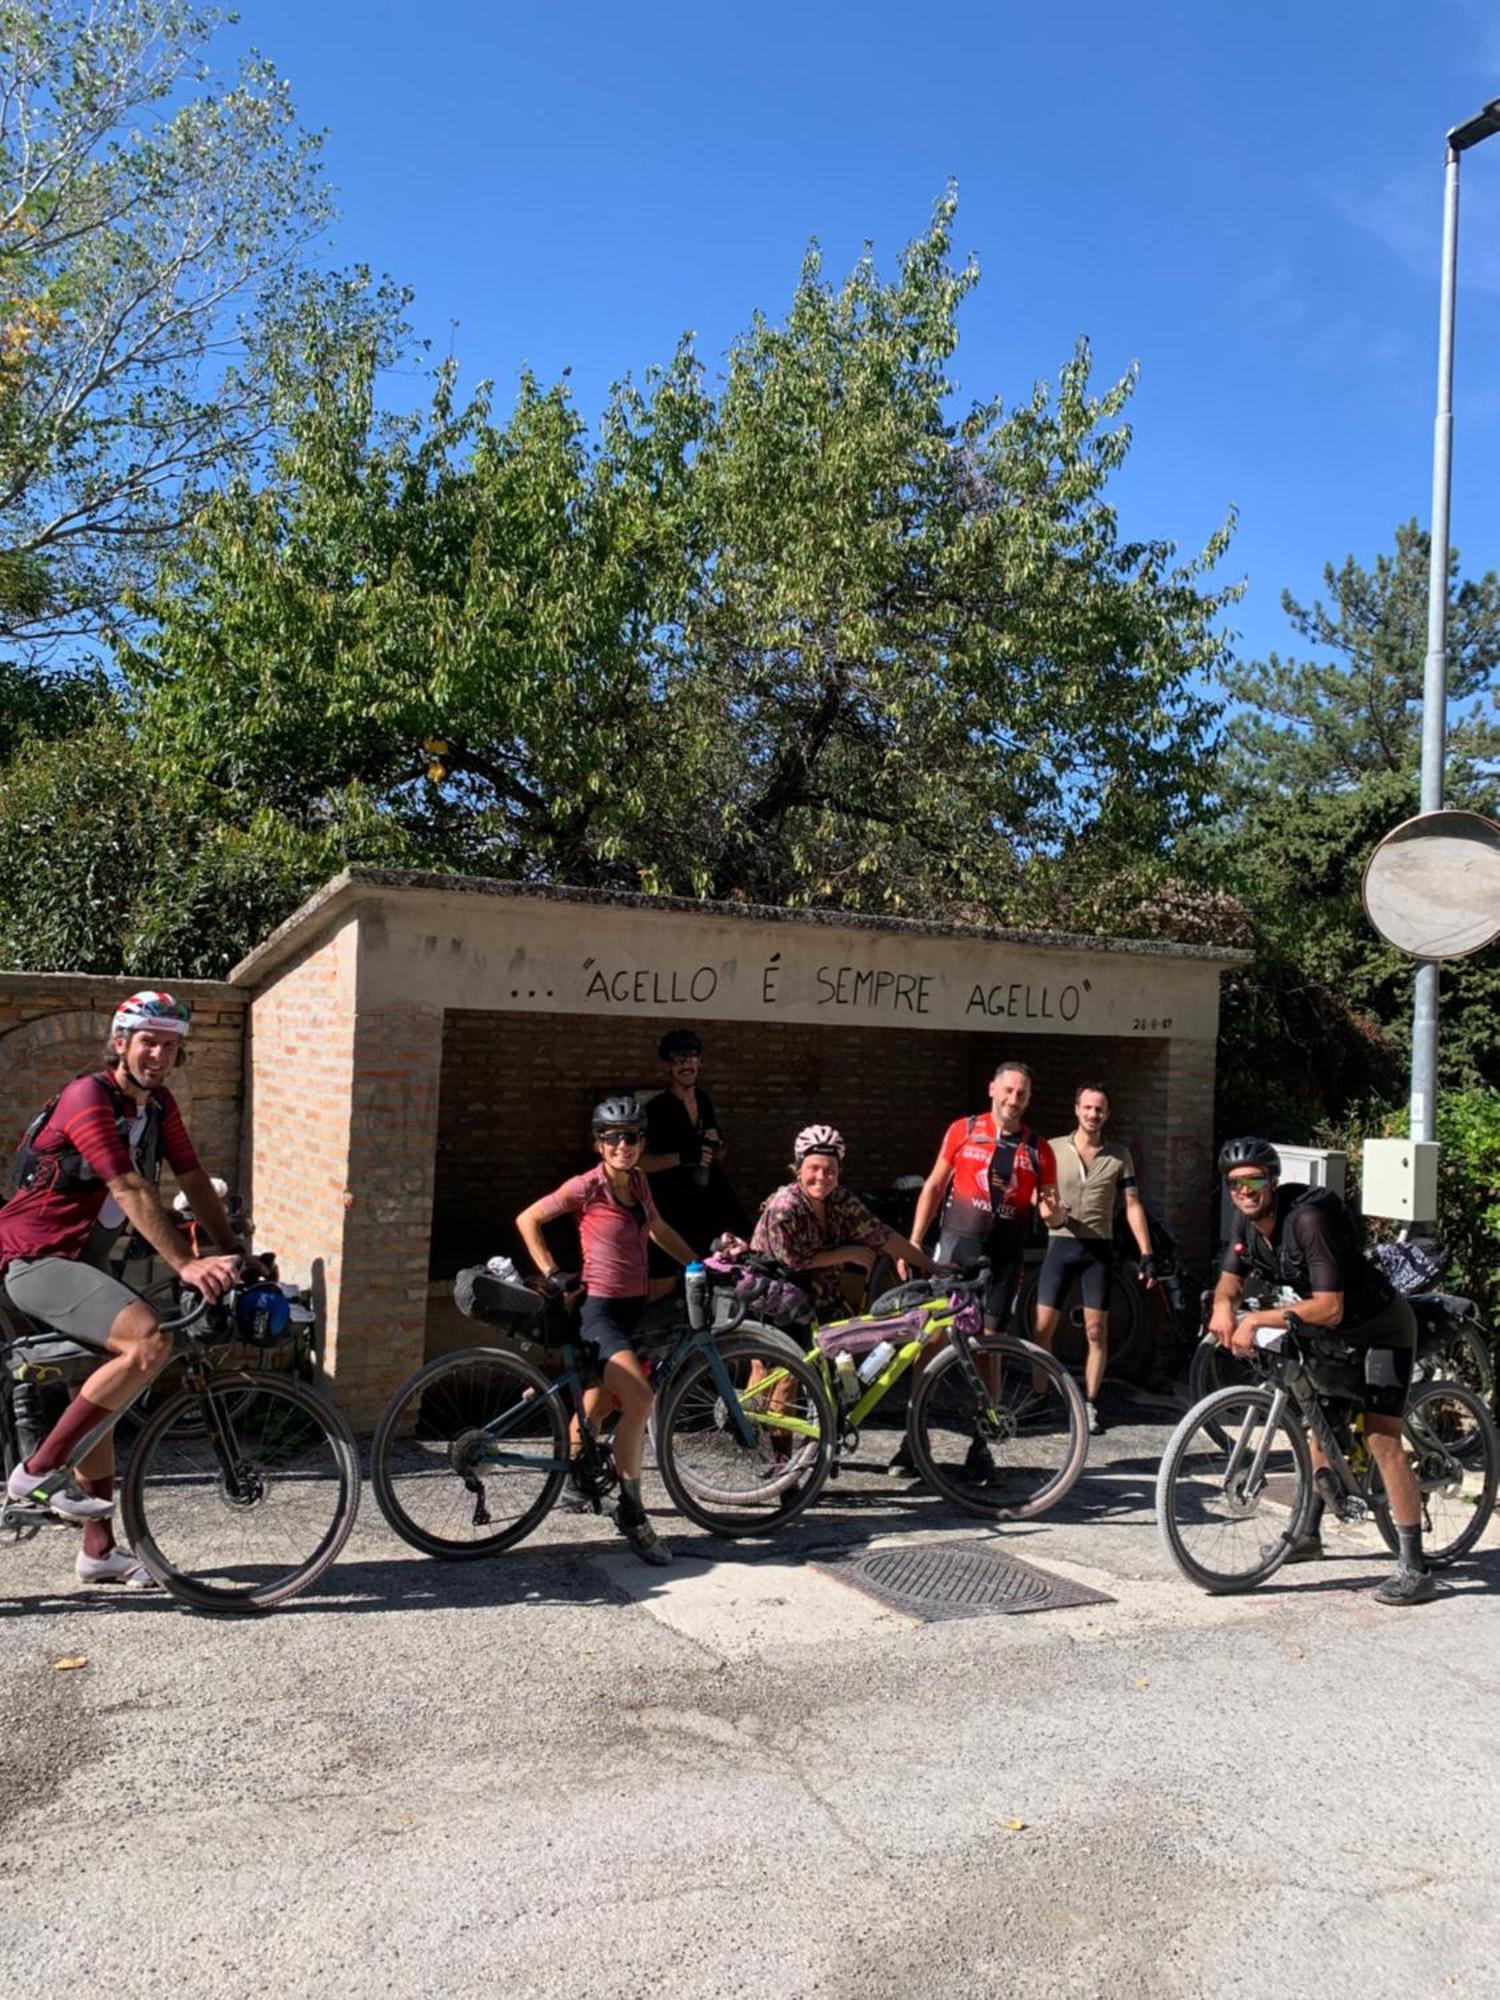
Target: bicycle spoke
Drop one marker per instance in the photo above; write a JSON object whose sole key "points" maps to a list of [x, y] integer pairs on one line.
{"points": [[469, 1455]]}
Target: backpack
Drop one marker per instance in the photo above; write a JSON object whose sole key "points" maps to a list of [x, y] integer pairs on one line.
{"points": [[63, 1167], [1367, 1290]]}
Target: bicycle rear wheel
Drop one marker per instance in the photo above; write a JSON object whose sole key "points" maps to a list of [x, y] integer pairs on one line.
{"points": [[239, 1495], [1232, 1490], [1450, 1438], [1014, 1450], [469, 1454], [713, 1476]]}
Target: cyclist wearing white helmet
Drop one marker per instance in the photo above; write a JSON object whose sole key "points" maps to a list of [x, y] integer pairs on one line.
{"points": [[818, 1229], [87, 1170]]}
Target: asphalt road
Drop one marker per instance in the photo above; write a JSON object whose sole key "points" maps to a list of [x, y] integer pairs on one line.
{"points": [[556, 1774]]}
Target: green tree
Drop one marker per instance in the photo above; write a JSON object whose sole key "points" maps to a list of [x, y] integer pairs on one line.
{"points": [[926, 653], [155, 225], [817, 639], [1330, 722]]}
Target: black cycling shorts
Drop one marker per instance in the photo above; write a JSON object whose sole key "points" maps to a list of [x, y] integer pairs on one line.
{"points": [[1006, 1254], [610, 1325], [1388, 1348], [1091, 1259]]}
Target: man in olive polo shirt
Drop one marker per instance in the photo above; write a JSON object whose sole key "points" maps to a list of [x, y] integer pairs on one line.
{"points": [[1093, 1176]]}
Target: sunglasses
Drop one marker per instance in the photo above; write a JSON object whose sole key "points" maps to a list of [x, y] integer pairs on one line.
{"points": [[1251, 1184], [619, 1138]]}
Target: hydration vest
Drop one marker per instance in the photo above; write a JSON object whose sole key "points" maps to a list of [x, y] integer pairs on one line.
{"points": [[64, 1167]]}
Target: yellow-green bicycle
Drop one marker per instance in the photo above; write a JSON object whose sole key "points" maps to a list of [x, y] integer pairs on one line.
{"points": [[995, 1425]]}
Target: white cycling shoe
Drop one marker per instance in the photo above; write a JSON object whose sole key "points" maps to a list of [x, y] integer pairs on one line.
{"points": [[58, 1493], [119, 1566]]}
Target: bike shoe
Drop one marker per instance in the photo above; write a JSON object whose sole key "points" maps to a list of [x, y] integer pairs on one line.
{"points": [[643, 1538], [980, 1468], [58, 1493], [1407, 1586], [119, 1566], [902, 1465]]}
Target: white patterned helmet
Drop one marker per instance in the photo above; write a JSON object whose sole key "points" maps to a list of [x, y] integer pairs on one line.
{"points": [[151, 1010], [817, 1139]]}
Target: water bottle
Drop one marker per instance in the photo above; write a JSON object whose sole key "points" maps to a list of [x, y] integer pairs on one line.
{"points": [[695, 1284], [874, 1361], [847, 1376]]}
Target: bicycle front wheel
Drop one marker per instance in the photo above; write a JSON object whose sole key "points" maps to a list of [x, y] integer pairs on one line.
{"points": [[1232, 1489], [1450, 1439], [1011, 1446], [728, 1482], [238, 1495], [469, 1454]]}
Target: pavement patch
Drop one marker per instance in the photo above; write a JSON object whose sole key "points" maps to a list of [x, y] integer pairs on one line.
{"points": [[958, 1580], [736, 1608]]}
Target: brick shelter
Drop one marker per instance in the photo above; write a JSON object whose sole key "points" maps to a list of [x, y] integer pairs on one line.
{"points": [[422, 1053]]}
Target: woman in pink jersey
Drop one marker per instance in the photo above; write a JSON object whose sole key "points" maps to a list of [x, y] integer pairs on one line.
{"points": [[616, 1219]]}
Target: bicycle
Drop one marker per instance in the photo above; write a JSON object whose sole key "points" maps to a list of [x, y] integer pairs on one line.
{"points": [[237, 1492], [1000, 1392], [1236, 1486], [472, 1451]]}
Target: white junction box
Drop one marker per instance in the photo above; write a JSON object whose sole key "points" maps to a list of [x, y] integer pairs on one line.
{"points": [[1399, 1180]]}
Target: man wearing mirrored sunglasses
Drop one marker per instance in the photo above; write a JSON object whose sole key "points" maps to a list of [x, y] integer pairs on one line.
{"points": [[1301, 1243]]}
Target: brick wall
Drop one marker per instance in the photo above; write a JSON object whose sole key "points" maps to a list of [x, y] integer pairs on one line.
{"points": [[299, 1084], [54, 1024], [517, 1091], [382, 1320]]}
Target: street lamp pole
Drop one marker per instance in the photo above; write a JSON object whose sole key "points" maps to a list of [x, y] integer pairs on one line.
{"points": [[1424, 1033]]}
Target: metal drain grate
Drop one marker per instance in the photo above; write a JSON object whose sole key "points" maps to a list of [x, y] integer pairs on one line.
{"points": [[958, 1580]]}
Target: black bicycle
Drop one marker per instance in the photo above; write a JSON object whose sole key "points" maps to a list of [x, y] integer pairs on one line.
{"points": [[236, 1492], [473, 1451], [1236, 1484]]}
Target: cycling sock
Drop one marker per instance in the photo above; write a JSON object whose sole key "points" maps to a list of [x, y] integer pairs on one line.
{"points": [[1315, 1515], [1411, 1547], [57, 1447], [99, 1536], [632, 1508]]}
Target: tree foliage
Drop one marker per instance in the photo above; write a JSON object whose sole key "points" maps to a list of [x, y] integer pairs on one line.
{"points": [[1322, 762], [154, 228], [1354, 711]]}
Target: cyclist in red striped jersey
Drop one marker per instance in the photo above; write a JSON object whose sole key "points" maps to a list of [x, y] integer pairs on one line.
{"points": [[85, 1175]]}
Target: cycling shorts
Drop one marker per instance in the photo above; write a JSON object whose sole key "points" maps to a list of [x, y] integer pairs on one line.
{"points": [[1091, 1259], [77, 1299], [610, 1325], [1388, 1348], [1006, 1253]]}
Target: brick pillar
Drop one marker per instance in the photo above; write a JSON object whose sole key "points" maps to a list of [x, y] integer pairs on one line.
{"points": [[1189, 1112], [377, 1332]]}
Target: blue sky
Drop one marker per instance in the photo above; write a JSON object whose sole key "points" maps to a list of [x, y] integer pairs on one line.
{"points": [[1247, 202]]}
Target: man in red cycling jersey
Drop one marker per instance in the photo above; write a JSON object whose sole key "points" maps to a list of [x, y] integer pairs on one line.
{"points": [[990, 1170], [86, 1175]]}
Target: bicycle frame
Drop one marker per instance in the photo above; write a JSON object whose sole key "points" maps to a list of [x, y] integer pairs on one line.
{"points": [[199, 1374], [569, 1387], [921, 1326]]}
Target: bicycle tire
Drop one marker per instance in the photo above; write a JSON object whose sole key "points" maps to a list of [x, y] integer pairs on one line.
{"points": [[1457, 1485], [1070, 1342], [945, 1413], [294, 1454], [419, 1487], [712, 1478], [1190, 1490]]}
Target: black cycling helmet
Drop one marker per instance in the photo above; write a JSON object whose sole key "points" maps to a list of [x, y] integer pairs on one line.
{"points": [[679, 1042], [1249, 1153], [619, 1113]]}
